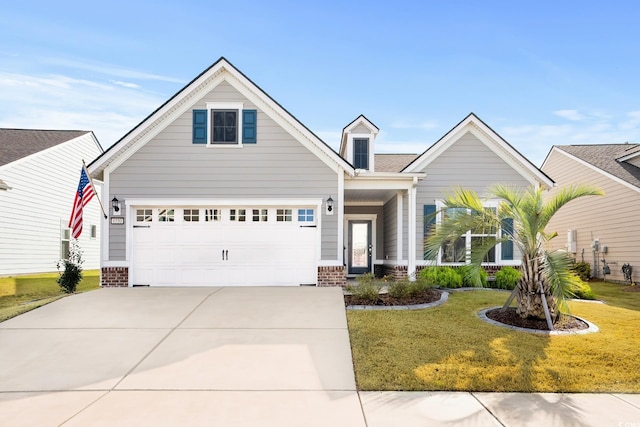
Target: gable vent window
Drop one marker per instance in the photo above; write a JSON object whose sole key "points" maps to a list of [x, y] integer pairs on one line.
{"points": [[361, 153]]}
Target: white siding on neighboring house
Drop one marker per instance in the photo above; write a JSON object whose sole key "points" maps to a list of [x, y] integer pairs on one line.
{"points": [[614, 219], [277, 167], [468, 163], [37, 208]]}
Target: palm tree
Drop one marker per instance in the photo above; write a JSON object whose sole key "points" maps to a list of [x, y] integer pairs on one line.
{"points": [[547, 279]]}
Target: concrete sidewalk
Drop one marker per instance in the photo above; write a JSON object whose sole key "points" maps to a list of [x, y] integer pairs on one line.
{"points": [[232, 357]]}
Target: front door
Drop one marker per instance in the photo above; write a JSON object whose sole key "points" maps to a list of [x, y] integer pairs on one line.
{"points": [[360, 249]]}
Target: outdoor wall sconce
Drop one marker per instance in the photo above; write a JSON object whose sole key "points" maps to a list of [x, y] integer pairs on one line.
{"points": [[329, 206], [115, 205]]}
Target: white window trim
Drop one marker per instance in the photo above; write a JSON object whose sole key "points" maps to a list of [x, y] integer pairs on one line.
{"points": [[498, 248], [350, 149], [238, 106]]}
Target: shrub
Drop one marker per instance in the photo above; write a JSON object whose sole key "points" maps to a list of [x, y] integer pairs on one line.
{"points": [[368, 289], [582, 290], [466, 272], [399, 288], [507, 278], [583, 270], [72, 274], [447, 277]]}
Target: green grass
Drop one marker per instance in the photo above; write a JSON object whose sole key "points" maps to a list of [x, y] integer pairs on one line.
{"points": [[20, 294], [450, 348]]}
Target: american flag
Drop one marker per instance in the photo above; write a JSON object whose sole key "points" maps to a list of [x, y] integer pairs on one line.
{"points": [[84, 194]]}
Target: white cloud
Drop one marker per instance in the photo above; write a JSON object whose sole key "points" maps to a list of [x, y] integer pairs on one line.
{"points": [[572, 115], [125, 84], [62, 102]]}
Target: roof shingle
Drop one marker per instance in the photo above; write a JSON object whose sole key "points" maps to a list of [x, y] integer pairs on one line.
{"points": [[604, 157], [392, 162], [18, 143]]}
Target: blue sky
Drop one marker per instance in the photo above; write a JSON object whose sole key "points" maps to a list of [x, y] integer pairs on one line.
{"points": [[539, 73]]}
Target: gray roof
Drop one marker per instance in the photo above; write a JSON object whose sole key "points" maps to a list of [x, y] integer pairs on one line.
{"points": [[604, 157], [392, 162], [18, 143]]}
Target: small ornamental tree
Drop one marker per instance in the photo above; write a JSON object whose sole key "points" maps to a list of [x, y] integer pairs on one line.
{"points": [[71, 269], [547, 279]]}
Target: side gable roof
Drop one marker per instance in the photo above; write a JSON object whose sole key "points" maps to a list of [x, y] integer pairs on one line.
{"points": [[16, 144], [604, 158], [492, 140], [221, 70], [393, 162]]}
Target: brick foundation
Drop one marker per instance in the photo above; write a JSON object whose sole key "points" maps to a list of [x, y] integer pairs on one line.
{"points": [[332, 276], [115, 277], [396, 272]]}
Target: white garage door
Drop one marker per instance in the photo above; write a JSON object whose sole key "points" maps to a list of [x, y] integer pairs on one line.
{"points": [[229, 246]]}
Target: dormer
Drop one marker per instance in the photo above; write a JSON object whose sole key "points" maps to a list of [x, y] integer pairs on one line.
{"points": [[357, 143]]}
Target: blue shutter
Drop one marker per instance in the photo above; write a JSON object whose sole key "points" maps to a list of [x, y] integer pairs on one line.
{"points": [[507, 247], [249, 126], [199, 126], [428, 220]]}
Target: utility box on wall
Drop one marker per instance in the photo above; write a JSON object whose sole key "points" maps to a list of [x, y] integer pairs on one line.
{"points": [[572, 247]]}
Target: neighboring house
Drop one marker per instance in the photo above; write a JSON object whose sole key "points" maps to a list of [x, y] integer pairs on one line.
{"points": [[611, 220], [222, 186], [39, 174]]}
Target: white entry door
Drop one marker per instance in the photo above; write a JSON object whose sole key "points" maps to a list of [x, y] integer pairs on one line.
{"points": [[207, 246]]}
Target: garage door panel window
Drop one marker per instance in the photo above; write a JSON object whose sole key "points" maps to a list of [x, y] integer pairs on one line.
{"points": [[144, 215], [166, 215], [239, 215], [260, 215], [284, 215], [191, 215], [211, 215], [306, 215]]}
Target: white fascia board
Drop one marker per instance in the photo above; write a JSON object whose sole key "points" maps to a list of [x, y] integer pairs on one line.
{"points": [[628, 157], [156, 125], [598, 170], [300, 133], [493, 141], [123, 146]]}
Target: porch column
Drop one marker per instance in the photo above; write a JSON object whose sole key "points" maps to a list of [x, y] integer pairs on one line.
{"points": [[411, 239], [399, 213]]}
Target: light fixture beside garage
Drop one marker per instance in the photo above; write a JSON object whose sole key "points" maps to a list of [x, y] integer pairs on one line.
{"points": [[329, 206], [115, 205]]}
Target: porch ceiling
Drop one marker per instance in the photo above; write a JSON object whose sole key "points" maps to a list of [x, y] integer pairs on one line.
{"points": [[362, 196]]}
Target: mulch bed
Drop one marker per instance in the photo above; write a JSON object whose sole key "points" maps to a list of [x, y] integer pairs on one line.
{"points": [[510, 317], [634, 288], [430, 295]]}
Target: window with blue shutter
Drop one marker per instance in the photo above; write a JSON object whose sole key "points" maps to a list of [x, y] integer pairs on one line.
{"points": [[249, 126], [428, 220], [199, 126], [507, 247]]}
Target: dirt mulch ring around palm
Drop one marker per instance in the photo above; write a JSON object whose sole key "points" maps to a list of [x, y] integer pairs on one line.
{"points": [[430, 295], [510, 317], [634, 288]]}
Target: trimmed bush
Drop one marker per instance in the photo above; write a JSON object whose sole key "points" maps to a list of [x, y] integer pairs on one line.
{"points": [[399, 288], [582, 290], [446, 277], [466, 272], [72, 273], [507, 278], [583, 270]]}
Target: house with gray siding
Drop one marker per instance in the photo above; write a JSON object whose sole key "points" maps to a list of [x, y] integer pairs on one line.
{"points": [[602, 231], [39, 173], [223, 186]]}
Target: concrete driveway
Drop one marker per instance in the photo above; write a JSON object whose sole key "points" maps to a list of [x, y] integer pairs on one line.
{"points": [[176, 356]]}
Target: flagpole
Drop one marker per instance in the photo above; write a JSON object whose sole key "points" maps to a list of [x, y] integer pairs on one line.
{"points": [[84, 166]]}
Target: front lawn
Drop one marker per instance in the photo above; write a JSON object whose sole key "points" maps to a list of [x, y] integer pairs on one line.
{"points": [[20, 294], [450, 348]]}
